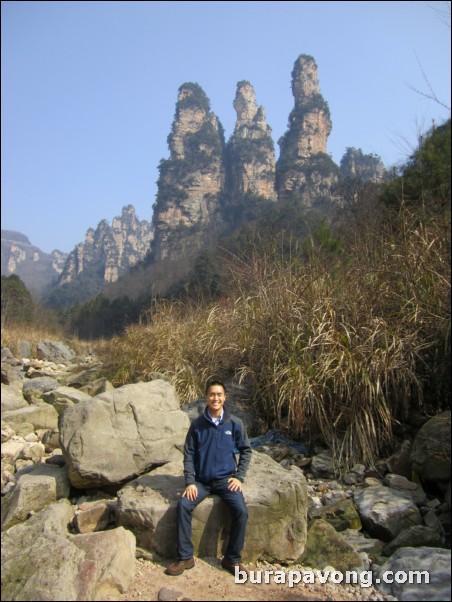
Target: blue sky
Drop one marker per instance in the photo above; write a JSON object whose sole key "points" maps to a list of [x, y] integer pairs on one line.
{"points": [[89, 91]]}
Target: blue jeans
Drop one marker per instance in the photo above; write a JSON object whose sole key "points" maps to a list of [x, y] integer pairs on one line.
{"points": [[239, 512]]}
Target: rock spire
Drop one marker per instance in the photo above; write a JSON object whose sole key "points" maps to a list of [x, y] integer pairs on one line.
{"points": [[304, 171], [109, 251], [191, 180], [251, 152]]}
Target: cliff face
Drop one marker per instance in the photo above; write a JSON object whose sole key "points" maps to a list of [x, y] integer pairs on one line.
{"points": [[109, 251], [305, 173], [191, 181], [251, 152], [36, 269], [366, 168]]}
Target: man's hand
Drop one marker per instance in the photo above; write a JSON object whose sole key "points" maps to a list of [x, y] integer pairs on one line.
{"points": [[234, 484], [191, 492]]}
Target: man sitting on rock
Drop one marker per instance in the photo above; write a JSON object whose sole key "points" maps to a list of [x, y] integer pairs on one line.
{"points": [[210, 466]]}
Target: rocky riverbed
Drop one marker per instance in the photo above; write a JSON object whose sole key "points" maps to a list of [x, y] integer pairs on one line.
{"points": [[84, 467]]}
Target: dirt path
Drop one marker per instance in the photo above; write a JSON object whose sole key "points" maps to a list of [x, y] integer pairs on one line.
{"points": [[208, 581]]}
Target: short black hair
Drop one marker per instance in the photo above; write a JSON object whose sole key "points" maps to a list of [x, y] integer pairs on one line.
{"points": [[211, 383]]}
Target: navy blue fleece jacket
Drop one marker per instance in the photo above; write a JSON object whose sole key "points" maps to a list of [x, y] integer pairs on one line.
{"points": [[209, 450]]}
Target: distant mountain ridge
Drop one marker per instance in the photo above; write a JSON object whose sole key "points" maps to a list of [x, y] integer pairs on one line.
{"points": [[106, 253], [38, 270]]}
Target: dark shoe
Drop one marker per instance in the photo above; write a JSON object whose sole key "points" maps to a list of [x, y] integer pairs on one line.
{"points": [[230, 566], [177, 568]]}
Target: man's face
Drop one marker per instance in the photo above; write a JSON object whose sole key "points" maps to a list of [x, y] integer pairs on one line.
{"points": [[215, 400]]}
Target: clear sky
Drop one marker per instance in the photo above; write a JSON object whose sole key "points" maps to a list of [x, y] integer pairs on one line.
{"points": [[89, 91]]}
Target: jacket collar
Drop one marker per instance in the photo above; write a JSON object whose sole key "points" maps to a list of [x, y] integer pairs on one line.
{"points": [[206, 415]]}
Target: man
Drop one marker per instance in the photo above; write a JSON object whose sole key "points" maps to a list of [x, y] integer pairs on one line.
{"points": [[210, 466]]}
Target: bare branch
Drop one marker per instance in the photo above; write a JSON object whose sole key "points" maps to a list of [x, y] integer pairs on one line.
{"points": [[432, 95]]}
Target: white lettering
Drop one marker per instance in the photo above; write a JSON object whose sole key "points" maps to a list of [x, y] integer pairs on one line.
{"points": [[280, 577], [294, 577], [351, 577], [322, 577], [255, 576], [239, 576], [401, 577], [336, 577], [365, 578], [421, 576]]}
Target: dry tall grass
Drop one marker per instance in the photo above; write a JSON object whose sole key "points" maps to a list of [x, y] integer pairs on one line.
{"points": [[336, 346], [12, 334], [188, 343]]}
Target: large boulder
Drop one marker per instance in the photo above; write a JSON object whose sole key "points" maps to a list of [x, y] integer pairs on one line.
{"points": [[12, 399], [42, 561], [54, 351], [34, 491], [326, 547], [405, 568], [417, 536], [70, 393], [386, 512], [123, 433], [41, 416], [277, 506], [430, 455], [35, 388]]}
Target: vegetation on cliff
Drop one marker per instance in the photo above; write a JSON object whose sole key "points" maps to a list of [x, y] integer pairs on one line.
{"points": [[339, 336], [17, 303]]}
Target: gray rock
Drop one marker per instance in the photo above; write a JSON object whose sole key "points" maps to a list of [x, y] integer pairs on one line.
{"points": [[23, 428], [401, 483], [12, 399], [416, 536], [399, 462], [340, 514], [12, 448], [360, 543], [82, 376], [326, 547], [23, 349], [435, 561], [54, 351], [430, 455], [109, 565], [6, 354], [29, 571], [34, 388], [34, 491], [41, 416], [67, 393], [12, 376], [277, 512], [51, 440], [41, 561], [95, 518], [385, 512], [322, 466], [166, 594], [120, 434], [100, 385]]}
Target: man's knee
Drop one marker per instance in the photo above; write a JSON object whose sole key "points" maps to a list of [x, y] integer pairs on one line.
{"points": [[185, 505]]}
